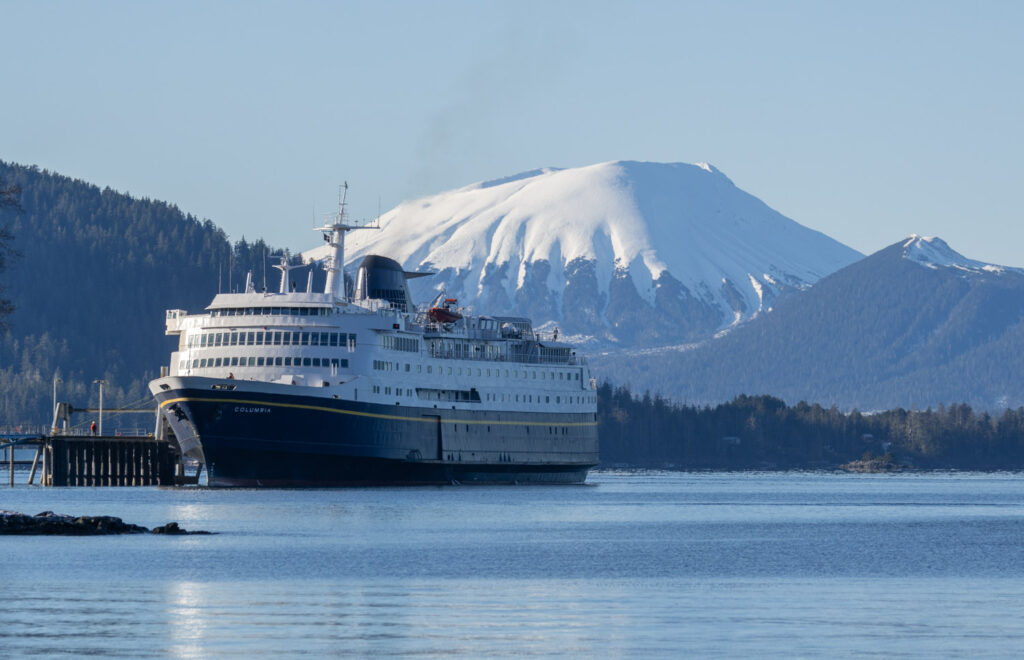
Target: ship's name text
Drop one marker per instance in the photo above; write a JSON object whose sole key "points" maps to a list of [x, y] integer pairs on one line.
{"points": [[259, 410]]}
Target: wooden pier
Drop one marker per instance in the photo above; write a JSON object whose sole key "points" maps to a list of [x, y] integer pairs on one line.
{"points": [[107, 461], [89, 460]]}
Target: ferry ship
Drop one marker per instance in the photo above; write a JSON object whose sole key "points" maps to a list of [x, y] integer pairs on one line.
{"points": [[308, 389]]}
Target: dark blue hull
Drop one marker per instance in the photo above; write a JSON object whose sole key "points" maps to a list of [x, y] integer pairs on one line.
{"points": [[268, 439]]}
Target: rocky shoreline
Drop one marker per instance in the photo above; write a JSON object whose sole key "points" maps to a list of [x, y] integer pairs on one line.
{"points": [[874, 465], [49, 523]]}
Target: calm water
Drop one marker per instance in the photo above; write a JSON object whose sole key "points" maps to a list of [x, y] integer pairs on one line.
{"points": [[632, 565]]}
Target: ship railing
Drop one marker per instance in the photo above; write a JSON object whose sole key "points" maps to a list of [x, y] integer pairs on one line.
{"points": [[519, 357], [375, 305], [532, 357]]}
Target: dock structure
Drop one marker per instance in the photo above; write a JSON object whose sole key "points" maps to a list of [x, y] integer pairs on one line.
{"points": [[89, 460], [63, 458], [108, 461]]}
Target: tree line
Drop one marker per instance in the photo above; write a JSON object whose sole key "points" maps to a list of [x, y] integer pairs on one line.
{"points": [[763, 432]]}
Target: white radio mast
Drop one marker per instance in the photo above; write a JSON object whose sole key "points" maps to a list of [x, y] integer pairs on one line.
{"points": [[336, 239]]}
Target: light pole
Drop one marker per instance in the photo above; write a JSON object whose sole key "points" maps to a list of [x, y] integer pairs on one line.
{"points": [[101, 383], [56, 379]]}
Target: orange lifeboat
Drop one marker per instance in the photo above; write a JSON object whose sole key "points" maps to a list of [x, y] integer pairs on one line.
{"points": [[445, 314]]}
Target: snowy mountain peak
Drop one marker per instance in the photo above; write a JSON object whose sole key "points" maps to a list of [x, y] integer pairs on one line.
{"points": [[933, 252], [708, 167], [623, 251]]}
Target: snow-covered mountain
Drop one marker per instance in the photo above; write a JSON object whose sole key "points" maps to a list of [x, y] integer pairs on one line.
{"points": [[933, 252], [625, 252]]}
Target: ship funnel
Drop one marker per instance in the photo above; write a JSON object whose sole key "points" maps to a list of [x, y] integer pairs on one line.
{"points": [[380, 278]]}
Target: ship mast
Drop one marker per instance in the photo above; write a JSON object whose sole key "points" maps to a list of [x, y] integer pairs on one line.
{"points": [[284, 267], [335, 264]]}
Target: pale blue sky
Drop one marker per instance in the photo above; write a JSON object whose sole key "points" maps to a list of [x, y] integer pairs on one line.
{"points": [[865, 120]]}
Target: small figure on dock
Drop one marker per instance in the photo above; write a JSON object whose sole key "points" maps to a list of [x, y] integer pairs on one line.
{"points": [[92, 428], [231, 375], [556, 333]]}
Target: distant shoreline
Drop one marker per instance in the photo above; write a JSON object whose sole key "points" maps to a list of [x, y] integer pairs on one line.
{"points": [[809, 470]]}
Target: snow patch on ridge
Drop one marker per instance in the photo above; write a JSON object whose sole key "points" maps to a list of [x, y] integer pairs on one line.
{"points": [[759, 290], [933, 252]]}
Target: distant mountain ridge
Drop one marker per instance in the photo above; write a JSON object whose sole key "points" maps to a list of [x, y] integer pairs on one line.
{"points": [[627, 253], [914, 325]]}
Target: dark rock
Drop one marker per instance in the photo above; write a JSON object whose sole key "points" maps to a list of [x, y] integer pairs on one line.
{"points": [[50, 523], [173, 528]]}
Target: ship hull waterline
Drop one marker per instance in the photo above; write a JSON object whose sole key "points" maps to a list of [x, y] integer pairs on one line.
{"points": [[260, 439]]}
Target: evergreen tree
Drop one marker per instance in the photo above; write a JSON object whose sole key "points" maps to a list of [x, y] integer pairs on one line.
{"points": [[9, 196]]}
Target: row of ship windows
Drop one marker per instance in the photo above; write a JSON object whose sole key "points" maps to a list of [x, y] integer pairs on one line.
{"points": [[529, 398], [258, 361], [393, 343], [552, 430], [385, 365], [508, 398], [272, 311], [272, 338]]}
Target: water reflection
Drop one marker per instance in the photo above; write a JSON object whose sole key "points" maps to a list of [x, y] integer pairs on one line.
{"points": [[188, 616], [463, 618]]}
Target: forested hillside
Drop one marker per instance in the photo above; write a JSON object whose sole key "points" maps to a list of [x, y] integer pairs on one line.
{"points": [[96, 271], [764, 433]]}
